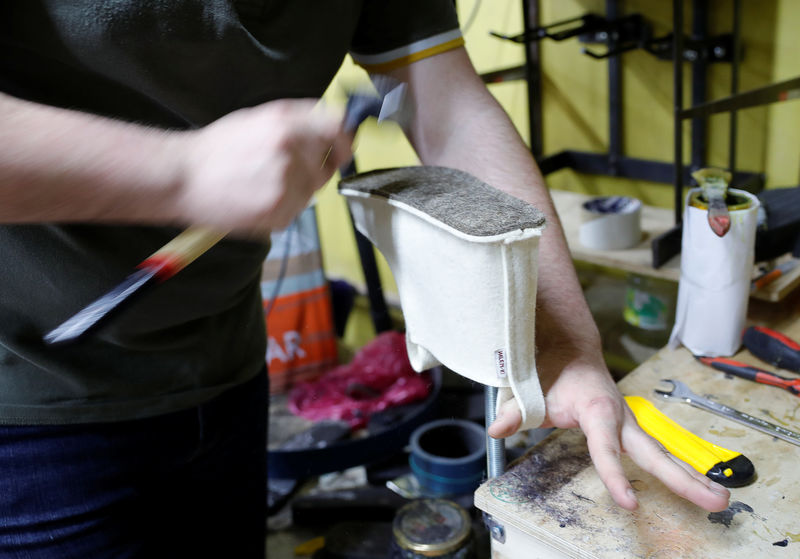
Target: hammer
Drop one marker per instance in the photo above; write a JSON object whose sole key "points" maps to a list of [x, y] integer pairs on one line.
{"points": [[389, 104]]}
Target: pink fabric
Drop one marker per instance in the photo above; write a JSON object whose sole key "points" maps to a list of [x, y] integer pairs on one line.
{"points": [[379, 377]]}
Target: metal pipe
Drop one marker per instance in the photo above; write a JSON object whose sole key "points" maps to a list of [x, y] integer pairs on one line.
{"points": [[495, 448], [533, 75], [699, 80], [737, 37], [773, 93], [615, 123], [677, 62]]}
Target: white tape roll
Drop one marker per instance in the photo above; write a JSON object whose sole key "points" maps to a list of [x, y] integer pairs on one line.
{"points": [[611, 223]]}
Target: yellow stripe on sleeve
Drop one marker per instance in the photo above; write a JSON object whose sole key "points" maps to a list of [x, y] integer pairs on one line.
{"points": [[389, 65]]}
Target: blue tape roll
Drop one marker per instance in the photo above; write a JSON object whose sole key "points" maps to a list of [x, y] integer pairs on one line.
{"points": [[448, 456]]}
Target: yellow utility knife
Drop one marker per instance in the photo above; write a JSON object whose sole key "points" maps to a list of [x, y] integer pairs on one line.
{"points": [[726, 467]]}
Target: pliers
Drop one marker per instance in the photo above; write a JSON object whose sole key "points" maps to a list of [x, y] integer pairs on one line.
{"points": [[743, 370]]}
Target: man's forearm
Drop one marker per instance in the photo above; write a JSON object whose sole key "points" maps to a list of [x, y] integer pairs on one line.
{"points": [[61, 165], [248, 172]]}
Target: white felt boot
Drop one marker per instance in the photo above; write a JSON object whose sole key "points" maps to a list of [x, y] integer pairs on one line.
{"points": [[464, 256]]}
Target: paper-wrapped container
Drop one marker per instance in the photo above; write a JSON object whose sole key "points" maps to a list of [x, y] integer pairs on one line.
{"points": [[714, 286]]}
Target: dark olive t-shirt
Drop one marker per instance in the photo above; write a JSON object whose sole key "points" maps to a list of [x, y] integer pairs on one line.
{"points": [[173, 64]]}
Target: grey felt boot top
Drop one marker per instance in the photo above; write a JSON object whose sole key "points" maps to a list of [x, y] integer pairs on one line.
{"points": [[450, 196]]}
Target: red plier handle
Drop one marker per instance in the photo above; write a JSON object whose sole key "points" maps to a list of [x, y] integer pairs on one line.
{"points": [[743, 370], [773, 347]]}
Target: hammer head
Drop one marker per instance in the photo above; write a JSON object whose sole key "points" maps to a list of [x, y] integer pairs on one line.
{"points": [[390, 103], [394, 106]]}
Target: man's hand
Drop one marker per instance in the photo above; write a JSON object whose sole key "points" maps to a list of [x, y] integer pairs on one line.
{"points": [[586, 397], [256, 169]]}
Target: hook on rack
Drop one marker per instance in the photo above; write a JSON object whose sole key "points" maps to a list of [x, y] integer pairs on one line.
{"points": [[622, 35], [625, 34], [610, 52], [718, 48], [559, 30]]}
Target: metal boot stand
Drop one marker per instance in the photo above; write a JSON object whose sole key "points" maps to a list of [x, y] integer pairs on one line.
{"points": [[379, 311], [495, 459]]}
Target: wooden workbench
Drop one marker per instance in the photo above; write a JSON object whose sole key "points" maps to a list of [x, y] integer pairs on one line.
{"points": [[638, 259], [552, 503]]}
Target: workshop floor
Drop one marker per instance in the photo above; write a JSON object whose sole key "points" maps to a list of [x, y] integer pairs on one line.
{"points": [[297, 527], [283, 540], [624, 349]]}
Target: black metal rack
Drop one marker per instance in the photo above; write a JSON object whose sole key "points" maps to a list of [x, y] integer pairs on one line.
{"points": [[699, 49]]}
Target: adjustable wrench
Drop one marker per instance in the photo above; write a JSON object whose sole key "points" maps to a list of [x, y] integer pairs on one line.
{"points": [[682, 393]]}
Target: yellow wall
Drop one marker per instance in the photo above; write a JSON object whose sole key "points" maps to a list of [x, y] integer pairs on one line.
{"points": [[575, 104], [783, 120], [575, 94]]}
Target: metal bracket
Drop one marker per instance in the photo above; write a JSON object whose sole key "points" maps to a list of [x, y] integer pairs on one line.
{"points": [[625, 34], [497, 530], [713, 49], [621, 35], [559, 30]]}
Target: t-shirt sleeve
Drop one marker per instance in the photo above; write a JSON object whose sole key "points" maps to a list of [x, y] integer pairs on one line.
{"points": [[393, 33]]}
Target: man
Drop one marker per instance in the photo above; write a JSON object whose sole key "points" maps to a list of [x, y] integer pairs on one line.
{"points": [[120, 123]]}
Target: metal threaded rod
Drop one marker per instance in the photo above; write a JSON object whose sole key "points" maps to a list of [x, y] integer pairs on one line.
{"points": [[495, 448]]}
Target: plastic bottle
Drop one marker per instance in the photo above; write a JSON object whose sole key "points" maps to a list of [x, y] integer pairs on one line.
{"points": [[649, 309]]}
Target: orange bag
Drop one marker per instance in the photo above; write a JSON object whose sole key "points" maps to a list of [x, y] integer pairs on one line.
{"points": [[301, 337]]}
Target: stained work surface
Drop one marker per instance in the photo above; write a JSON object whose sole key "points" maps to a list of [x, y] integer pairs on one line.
{"points": [[553, 493]]}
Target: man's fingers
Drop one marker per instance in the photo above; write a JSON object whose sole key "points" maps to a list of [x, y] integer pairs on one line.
{"points": [[341, 151], [602, 432], [325, 143], [507, 422], [678, 476]]}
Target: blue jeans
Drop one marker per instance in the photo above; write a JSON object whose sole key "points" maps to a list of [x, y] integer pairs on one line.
{"points": [[187, 484]]}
